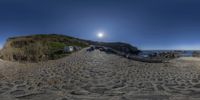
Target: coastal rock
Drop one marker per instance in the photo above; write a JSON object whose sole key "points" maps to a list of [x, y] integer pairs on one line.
{"points": [[196, 53]]}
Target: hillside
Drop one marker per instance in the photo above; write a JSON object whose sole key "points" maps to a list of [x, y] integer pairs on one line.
{"points": [[38, 47], [42, 47]]}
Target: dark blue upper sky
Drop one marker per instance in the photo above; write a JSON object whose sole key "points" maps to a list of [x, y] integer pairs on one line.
{"points": [[147, 24]]}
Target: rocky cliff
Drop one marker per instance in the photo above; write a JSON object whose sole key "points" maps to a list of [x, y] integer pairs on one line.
{"points": [[42, 47]]}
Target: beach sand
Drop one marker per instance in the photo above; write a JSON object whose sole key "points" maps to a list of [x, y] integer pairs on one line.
{"points": [[97, 75]]}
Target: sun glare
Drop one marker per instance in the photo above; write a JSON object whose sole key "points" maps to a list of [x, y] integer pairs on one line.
{"points": [[100, 35]]}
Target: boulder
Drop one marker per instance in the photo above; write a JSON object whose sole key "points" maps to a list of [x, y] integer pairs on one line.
{"points": [[196, 54]]}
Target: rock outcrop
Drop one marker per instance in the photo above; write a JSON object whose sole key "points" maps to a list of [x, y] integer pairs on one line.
{"points": [[118, 46], [165, 55], [196, 53]]}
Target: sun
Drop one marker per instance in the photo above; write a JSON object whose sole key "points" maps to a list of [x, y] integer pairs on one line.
{"points": [[100, 35]]}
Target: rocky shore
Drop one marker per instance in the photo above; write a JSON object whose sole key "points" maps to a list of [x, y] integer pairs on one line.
{"points": [[196, 54]]}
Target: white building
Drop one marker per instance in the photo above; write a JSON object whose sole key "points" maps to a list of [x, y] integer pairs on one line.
{"points": [[68, 49]]}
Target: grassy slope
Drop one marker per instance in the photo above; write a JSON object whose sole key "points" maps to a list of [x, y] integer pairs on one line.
{"points": [[38, 47]]}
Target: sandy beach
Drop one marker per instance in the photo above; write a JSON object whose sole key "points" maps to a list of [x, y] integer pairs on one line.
{"points": [[97, 75]]}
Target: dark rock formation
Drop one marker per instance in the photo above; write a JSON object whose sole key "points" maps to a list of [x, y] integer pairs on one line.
{"points": [[127, 55], [196, 53], [165, 55], [118, 46]]}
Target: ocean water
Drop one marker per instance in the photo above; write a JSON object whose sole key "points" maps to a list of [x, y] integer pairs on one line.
{"points": [[183, 53]]}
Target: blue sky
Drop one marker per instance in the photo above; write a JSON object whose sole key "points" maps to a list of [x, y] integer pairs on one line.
{"points": [[147, 24]]}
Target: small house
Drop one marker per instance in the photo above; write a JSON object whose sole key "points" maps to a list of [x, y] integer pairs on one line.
{"points": [[68, 49]]}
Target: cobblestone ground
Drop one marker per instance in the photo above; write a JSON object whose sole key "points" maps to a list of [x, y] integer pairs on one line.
{"points": [[97, 75]]}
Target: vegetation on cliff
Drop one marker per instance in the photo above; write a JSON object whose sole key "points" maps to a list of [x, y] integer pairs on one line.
{"points": [[43, 47], [38, 47]]}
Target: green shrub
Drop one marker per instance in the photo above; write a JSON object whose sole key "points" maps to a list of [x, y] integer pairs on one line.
{"points": [[56, 45]]}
